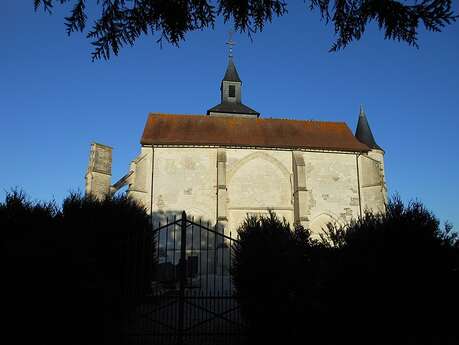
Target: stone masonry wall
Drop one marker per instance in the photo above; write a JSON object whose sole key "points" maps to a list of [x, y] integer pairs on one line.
{"points": [[185, 179], [258, 181], [332, 185], [373, 186], [252, 181]]}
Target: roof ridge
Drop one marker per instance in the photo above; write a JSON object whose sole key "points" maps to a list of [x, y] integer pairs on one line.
{"points": [[259, 119]]}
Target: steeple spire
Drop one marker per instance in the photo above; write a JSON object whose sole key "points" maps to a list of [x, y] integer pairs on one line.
{"points": [[363, 132], [231, 72], [231, 90], [230, 43]]}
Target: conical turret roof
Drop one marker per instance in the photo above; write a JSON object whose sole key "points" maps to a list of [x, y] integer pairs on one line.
{"points": [[363, 132]]}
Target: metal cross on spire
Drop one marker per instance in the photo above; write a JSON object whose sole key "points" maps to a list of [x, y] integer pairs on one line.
{"points": [[230, 43]]}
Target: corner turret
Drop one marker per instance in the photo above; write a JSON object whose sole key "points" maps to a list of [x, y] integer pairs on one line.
{"points": [[363, 132], [372, 180]]}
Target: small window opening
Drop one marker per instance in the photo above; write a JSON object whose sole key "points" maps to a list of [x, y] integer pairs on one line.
{"points": [[232, 91]]}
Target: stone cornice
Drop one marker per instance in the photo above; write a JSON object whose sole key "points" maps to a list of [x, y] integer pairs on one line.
{"points": [[253, 148]]}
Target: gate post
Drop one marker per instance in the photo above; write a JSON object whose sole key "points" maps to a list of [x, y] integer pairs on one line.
{"points": [[182, 277]]}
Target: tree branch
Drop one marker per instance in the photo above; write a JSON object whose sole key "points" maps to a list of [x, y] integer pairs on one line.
{"points": [[122, 22]]}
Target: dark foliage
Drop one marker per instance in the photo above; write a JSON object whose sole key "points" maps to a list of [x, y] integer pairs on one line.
{"points": [[272, 270], [122, 22], [384, 279], [29, 239], [72, 274], [394, 278]]}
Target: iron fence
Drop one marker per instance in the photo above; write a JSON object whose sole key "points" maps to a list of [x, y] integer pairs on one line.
{"points": [[192, 299]]}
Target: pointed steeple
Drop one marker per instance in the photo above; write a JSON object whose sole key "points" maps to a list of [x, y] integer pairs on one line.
{"points": [[363, 132], [231, 72], [230, 93], [230, 88]]}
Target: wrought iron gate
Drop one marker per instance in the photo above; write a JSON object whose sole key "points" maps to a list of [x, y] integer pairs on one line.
{"points": [[192, 300]]}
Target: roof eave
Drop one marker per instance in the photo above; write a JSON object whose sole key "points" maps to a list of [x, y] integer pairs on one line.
{"points": [[147, 142], [216, 109]]}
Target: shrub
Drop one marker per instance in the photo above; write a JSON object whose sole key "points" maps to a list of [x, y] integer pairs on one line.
{"points": [[388, 278], [394, 278], [272, 271], [110, 245], [30, 267], [73, 273]]}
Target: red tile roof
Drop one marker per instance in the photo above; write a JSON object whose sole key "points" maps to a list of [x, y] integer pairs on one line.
{"points": [[168, 129]]}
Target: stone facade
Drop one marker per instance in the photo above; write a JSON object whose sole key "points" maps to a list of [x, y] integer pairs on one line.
{"points": [[227, 184]]}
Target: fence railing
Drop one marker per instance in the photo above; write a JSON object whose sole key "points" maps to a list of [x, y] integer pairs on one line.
{"points": [[192, 300]]}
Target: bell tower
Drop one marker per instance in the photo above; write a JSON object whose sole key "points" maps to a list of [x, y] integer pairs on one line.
{"points": [[231, 92], [231, 84]]}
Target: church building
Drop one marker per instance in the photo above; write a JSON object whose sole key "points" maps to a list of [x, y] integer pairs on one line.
{"points": [[233, 162]]}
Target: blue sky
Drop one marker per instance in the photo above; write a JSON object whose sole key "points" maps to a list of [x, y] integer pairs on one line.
{"points": [[54, 101]]}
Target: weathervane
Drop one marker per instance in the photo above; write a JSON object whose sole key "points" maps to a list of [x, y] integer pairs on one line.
{"points": [[231, 43]]}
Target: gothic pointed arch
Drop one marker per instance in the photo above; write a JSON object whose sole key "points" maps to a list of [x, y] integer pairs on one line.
{"points": [[259, 181], [258, 155], [320, 222]]}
